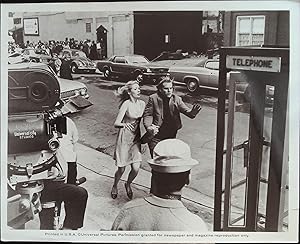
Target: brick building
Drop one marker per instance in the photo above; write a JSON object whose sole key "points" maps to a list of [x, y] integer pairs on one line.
{"points": [[244, 28]]}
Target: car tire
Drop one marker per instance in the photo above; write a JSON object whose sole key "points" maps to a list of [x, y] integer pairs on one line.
{"points": [[74, 68], [106, 73], [192, 85]]}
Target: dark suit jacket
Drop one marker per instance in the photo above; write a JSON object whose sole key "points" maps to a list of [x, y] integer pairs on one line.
{"points": [[153, 113], [65, 70]]}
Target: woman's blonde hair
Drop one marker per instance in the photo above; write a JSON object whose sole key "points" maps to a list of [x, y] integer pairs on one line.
{"points": [[123, 91]]}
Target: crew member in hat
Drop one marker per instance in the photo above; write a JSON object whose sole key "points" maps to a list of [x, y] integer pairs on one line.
{"points": [[162, 114], [163, 210]]}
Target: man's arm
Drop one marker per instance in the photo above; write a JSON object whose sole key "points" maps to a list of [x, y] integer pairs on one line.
{"points": [[189, 112], [148, 118], [148, 114]]}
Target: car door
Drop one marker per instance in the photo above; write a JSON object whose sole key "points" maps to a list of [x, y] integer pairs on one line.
{"points": [[213, 69], [120, 65]]}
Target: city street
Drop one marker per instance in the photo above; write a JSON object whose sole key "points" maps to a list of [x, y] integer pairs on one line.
{"points": [[96, 126], [96, 130]]}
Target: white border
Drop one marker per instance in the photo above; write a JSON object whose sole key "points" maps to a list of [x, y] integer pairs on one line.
{"points": [[108, 237]]}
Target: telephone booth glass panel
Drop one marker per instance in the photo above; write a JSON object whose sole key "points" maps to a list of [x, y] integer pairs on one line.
{"points": [[235, 170]]}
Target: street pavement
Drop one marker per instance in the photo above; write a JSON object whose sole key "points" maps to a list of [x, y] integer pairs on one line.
{"points": [[101, 208]]}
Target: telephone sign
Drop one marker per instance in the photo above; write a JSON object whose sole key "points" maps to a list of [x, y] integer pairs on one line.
{"points": [[254, 63]]}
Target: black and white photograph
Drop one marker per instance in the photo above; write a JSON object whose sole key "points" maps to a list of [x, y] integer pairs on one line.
{"points": [[150, 122]]}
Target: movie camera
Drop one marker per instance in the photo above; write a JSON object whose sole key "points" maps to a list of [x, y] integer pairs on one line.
{"points": [[35, 123]]}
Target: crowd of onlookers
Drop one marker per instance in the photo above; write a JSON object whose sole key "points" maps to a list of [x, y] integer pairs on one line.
{"points": [[90, 48]]}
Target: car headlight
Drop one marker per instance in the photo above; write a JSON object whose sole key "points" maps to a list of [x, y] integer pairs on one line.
{"points": [[83, 91]]}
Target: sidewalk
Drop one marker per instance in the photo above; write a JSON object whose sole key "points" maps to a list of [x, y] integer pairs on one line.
{"points": [[101, 210]]}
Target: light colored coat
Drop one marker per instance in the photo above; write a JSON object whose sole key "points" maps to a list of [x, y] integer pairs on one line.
{"points": [[157, 214]]}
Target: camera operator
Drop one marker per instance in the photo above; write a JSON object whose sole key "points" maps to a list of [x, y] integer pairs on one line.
{"points": [[67, 153], [62, 190], [74, 198]]}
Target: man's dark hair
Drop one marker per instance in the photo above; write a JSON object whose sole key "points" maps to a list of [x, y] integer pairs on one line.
{"points": [[167, 182], [162, 80]]}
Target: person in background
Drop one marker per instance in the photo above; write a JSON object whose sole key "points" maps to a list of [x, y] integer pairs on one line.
{"points": [[65, 67], [99, 50], [74, 198], [93, 52], [65, 187], [55, 63], [162, 114], [86, 48], [128, 147], [163, 210], [67, 153]]}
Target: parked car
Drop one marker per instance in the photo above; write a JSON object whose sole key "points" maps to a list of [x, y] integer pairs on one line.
{"points": [[36, 55], [16, 57], [205, 74], [132, 67], [79, 61], [73, 93]]}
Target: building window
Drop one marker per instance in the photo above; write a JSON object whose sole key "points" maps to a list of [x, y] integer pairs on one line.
{"points": [[250, 30], [17, 21], [88, 27]]}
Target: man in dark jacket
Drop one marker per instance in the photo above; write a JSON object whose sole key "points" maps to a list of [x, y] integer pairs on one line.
{"points": [[65, 68], [162, 114]]}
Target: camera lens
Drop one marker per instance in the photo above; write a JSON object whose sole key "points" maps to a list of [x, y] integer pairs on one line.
{"points": [[53, 144], [39, 91]]}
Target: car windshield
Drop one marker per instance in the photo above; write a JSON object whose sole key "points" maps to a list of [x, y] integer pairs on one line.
{"points": [[77, 53], [40, 51], [201, 63], [137, 59], [212, 65]]}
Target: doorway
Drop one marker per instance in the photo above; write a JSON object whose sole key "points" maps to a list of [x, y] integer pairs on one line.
{"points": [[102, 42]]}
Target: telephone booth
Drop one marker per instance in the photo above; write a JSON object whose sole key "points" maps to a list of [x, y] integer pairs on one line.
{"points": [[251, 171]]}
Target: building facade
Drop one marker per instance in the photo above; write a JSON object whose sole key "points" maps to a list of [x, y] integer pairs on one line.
{"points": [[116, 27], [148, 33], [251, 28]]}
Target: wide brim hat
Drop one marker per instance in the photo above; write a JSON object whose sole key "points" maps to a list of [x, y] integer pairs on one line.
{"points": [[172, 156]]}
